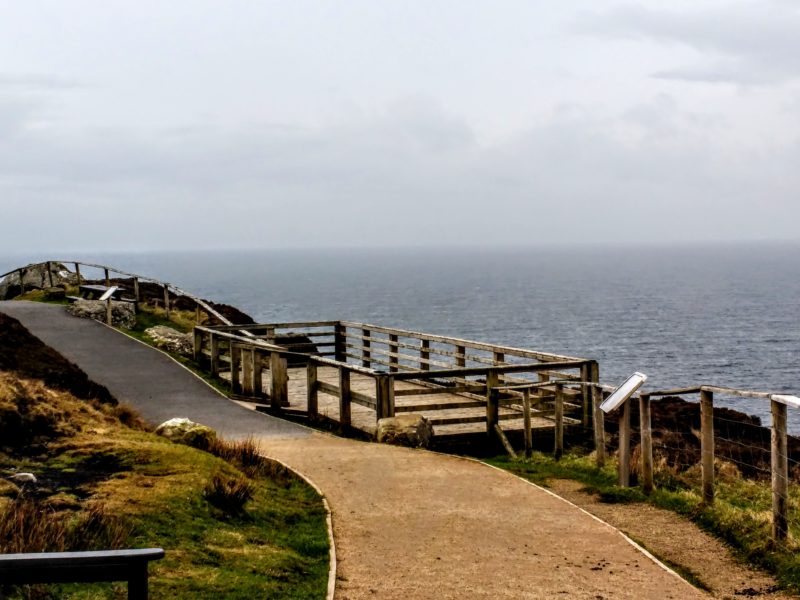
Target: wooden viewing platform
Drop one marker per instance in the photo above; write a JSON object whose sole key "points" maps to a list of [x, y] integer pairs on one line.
{"points": [[354, 374]]}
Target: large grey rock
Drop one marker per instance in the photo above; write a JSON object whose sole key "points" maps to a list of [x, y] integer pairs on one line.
{"points": [[122, 313], [171, 340], [184, 431], [412, 430], [36, 277]]}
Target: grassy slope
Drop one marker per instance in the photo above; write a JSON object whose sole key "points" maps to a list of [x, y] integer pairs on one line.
{"points": [[85, 457]]}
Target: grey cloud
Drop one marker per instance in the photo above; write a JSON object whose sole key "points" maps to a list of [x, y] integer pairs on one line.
{"points": [[744, 42]]}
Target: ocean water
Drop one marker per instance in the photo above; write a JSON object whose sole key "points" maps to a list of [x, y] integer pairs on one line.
{"points": [[706, 314]]}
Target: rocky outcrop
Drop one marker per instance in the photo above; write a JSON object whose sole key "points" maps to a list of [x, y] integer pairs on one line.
{"points": [[411, 430], [171, 340], [36, 277], [123, 314], [183, 431]]}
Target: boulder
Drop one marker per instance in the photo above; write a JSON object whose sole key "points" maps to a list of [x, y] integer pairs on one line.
{"points": [[409, 429], [171, 340], [36, 277], [123, 314], [183, 431]]}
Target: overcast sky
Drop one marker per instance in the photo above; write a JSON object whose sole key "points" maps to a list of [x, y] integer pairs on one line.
{"points": [[185, 124]]}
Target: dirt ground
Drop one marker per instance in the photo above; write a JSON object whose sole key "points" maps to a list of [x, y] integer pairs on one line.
{"points": [[680, 542], [416, 524]]}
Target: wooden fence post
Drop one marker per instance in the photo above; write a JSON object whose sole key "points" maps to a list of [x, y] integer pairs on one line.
{"points": [[247, 372], [393, 353], [214, 347], [49, 273], [279, 394], [311, 391], [424, 355], [526, 416], [198, 347], [780, 473], [258, 373], [107, 278], [598, 418], [236, 354], [339, 343], [625, 444], [136, 289], [78, 273], [461, 356], [558, 451], [707, 444], [166, 299], [366, 355], [492, 402], [586, 393], [344, 397], [646, 434]]}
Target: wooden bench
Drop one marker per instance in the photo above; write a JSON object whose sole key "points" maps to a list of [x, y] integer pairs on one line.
{"points": [[80, 567]]}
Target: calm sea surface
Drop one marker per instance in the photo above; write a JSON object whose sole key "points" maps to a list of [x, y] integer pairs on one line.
{"points": [[723, 314]]}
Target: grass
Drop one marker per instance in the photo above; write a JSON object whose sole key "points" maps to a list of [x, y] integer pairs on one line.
{"points": [[103, 484], [740, 514]]}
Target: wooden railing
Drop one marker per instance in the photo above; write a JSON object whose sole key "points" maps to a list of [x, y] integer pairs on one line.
{"points": [[485, 374], [170, 291]]}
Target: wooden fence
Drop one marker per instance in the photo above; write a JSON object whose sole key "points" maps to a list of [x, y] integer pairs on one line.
{"points": [[484, 376]]}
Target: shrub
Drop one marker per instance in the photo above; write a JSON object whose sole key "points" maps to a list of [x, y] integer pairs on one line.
{"points": [[228, 493]]}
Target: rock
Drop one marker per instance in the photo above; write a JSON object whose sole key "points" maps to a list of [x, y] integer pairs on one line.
{"points": [[36, 277], [123, 314], [23, 478], [412, 430], [171, 340], [184, 431]]}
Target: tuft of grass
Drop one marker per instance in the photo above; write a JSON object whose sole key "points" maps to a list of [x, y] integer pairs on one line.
{"points": [[228, 493]]}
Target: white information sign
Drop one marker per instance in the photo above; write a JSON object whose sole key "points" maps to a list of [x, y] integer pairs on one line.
{"points": [[623, 392]]}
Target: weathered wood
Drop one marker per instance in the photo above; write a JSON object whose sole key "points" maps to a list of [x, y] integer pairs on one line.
{"points": [[625, 444], [279, 395], [345, 397], [198, 347], [526, 415], [78, 273], [424, 355], [136, 289], [598, 417], [460, 356], [439, 406], [312, 397], [49, 273], [504, 440], [166, 300], [646, 443], [586, 394], [509, 368], [213, 343], [707, 444], [235, 356], [478, 388], [340, 341], [258, 373], [365, 350], [328, 388], [384, 397], [492, 403], [558, 451], [780, 473], [248, 358], [107, 278], [735, 392], [392, 352]]}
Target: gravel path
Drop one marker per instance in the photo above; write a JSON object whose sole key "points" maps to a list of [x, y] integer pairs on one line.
{"points": [[408, 524]]}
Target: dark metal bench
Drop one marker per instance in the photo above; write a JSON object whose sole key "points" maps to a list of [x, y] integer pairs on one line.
{"points": [[80, 567]]}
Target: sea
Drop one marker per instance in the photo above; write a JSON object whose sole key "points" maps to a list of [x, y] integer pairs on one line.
{"points": [[720, 314]]}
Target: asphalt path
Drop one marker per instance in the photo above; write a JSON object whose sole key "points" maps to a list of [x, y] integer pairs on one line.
{"points": [[146, 379]]}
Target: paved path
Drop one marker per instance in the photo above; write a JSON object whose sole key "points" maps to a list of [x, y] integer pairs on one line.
{"points": [[154, 384], [408, 524]]}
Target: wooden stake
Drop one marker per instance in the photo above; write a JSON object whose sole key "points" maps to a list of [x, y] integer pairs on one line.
{"points": [[344, 397], [424, 355], [598, 418], [559, 432], [198, 347], [707, 444], [586, 394], [504, 440], [625, 444], [247, 372], [258, 374], [78, 273], [366, 356], [646, 443], [780, 473], [339, 341], [236, 353], [311, 391], [279, 395], [393, 352], [526, 416], [50, 273], [492, 402], [214, 347], [136, 288], [108, 279]]}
